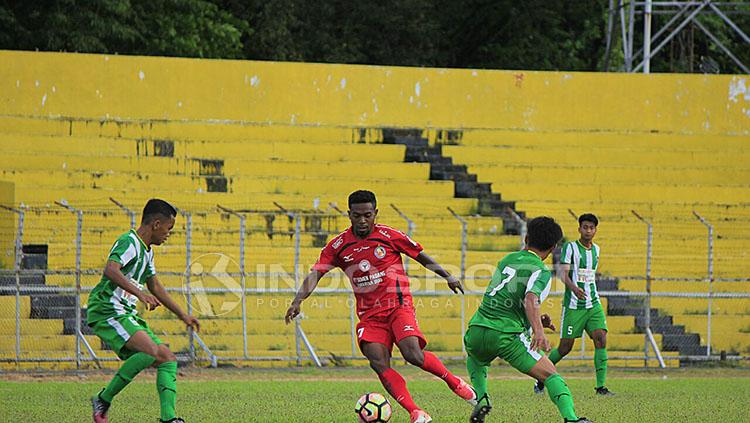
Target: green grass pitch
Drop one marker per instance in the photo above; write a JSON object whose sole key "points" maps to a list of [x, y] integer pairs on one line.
{"points": [[329, 395]]}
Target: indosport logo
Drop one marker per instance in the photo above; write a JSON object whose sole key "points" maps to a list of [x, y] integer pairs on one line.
{"points": [[214, 285]]}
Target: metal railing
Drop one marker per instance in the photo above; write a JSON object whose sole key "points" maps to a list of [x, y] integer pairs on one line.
{"points": [[287, 281]]}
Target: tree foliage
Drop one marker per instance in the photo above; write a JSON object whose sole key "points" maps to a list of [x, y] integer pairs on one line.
{"points": [[497, 34]]}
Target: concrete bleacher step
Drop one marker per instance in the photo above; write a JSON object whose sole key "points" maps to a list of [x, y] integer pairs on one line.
{"points": [[30, 327], [674, 337], [33, 343], [8, 307], [615, 139], [603, 174], [200, 201], [8, 279], [625, 156], [240, 185]]}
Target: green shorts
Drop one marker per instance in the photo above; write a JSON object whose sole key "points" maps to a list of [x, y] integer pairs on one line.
{"points": [[117, 330], [574, 322], [485, 344]]}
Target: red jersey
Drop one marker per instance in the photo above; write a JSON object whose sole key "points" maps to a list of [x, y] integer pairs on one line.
{"points": [[373, 266]]}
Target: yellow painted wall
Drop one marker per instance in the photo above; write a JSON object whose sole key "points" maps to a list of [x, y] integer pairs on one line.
{"points": [[7, 225], [123, 87]]}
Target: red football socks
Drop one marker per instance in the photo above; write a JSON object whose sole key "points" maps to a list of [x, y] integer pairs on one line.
{"points": [[433, 365], [396, 386]]}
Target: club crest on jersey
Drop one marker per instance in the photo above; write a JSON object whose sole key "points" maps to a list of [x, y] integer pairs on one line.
{"points": [[364, 265], [379, 252]]}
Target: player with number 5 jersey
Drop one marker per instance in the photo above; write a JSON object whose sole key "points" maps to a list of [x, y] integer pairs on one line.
{"points": [[581, 308], [508, 323]]}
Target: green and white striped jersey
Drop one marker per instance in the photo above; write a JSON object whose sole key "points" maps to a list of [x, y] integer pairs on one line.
{"points": [[583, 263], [107, 299]]}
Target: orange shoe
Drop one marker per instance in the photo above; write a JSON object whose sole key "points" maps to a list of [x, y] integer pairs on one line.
{"points": [[419, 416], [465, 391]]}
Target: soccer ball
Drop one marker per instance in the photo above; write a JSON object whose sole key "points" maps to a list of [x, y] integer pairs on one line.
{"points": [[373, 407]]}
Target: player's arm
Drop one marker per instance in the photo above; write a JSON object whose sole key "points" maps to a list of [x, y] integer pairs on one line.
{"points": [[308, 286], [531, 306], [572, 286], [113, 272], [453, 283], [156, 288]]}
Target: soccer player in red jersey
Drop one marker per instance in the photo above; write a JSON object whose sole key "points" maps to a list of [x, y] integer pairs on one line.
{"points": [[370, 256]]}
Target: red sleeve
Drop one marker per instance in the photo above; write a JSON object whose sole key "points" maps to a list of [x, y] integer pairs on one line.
{"points": [[403, 244], [327, 260]]}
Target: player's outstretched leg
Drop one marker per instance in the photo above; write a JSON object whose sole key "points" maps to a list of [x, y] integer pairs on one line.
{"points": [[427, 361], [380, 361]]}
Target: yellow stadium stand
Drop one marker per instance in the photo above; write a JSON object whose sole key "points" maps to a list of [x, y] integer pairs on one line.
{"points": [[216, 140]]}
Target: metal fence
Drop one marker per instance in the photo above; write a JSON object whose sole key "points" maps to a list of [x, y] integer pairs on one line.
{"points": [[238, 271]]}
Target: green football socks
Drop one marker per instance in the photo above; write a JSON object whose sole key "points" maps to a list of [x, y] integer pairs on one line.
{"points": [[129, 370], [560, 395], [554, 356], [478, 375], [600, 364], [166, 384]]}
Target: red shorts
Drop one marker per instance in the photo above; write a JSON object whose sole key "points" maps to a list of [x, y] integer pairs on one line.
{"points": [[390, 327]]}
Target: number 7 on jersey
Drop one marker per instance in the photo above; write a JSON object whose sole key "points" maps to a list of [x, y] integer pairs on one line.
{"points": [[510, 273]]}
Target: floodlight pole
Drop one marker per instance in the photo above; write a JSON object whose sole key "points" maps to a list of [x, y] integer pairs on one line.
{"points": [[710, 276], [79, 235], [683, 14], [647, 38], [243, 219]]}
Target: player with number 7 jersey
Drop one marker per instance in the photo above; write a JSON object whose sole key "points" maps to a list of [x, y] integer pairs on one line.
{"points": [[508, 323]]}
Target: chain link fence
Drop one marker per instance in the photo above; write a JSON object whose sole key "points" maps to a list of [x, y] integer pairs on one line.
{"points": [[680, 295]]}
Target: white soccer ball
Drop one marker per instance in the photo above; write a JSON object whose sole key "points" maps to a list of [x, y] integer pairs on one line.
{"points": [[373, 408]]}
